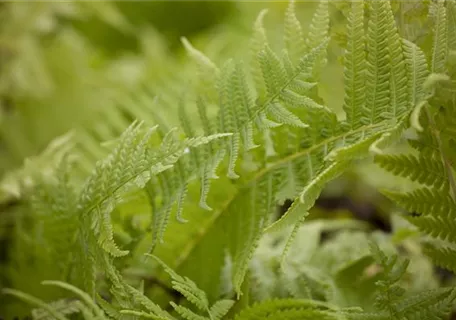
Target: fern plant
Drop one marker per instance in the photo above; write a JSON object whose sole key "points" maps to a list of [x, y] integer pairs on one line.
{"points": [[254, 136], [430, 164]]}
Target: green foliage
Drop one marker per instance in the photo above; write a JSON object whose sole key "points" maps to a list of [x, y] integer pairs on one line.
{"points": [[431, 204], [221, 146], [288, 309]]}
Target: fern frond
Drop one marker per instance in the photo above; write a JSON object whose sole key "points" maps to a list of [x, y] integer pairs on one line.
{"points": [[370, 126], [126, 162], [440, 45], [245, 228], [54, 202], [186, 287], [399, 99], [219, 309], [200, 58], [424, 170], [198, 160], [110, 311], [282, 115], [284, 89], [143, 314], [228, 115], [249, 233], [390, 292], [187, 313], [442, 255], [208, 70], [378, 64], [81, 294], [294, 39], [130, 297], [258, 41], [130, 164], [162, 185], [14, 183], [438, 227], [432, 304], [288, 309], [319, 26], [246, 105], [451, 27], [418, 71], [274, 73], [238, 117], [36, 302], [65, 306], [318, 30], [420, 201], [354, 66]]}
